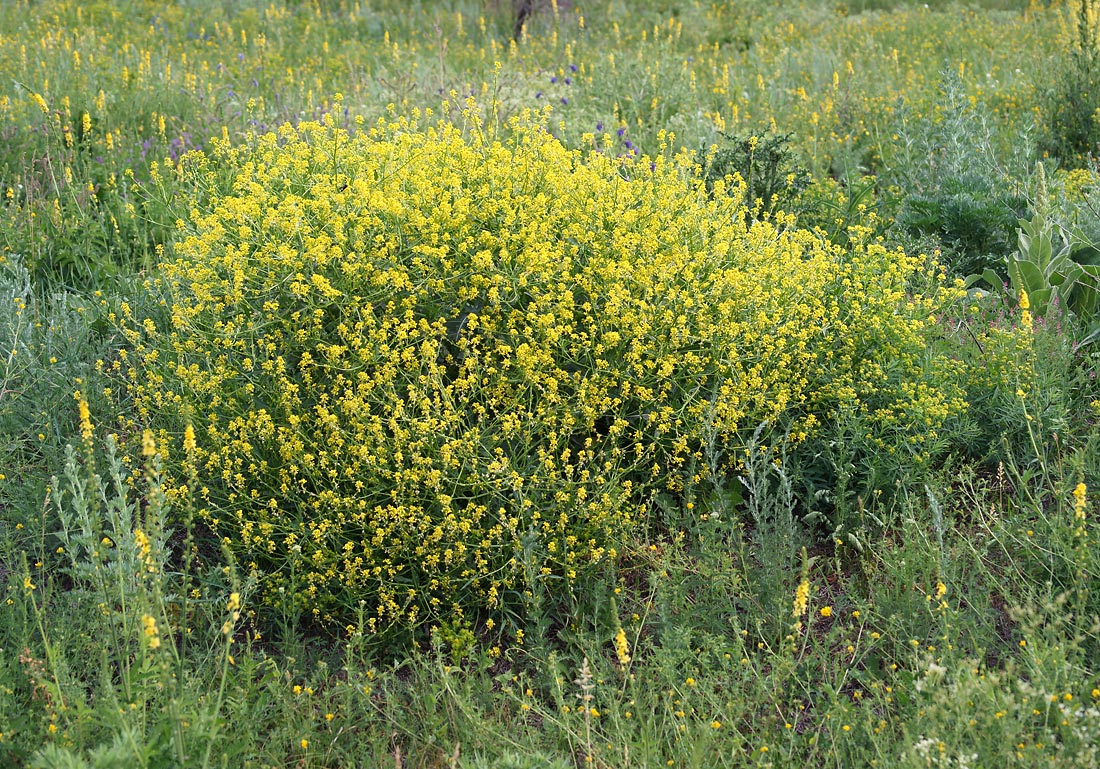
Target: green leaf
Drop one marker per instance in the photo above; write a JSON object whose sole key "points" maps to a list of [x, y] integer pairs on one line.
{"points": [[1040, 299], [1029, 277], [993, 279], [1092, 336]]}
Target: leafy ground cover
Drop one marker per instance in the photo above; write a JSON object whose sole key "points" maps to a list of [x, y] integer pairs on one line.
{"points": [[486, 384]]}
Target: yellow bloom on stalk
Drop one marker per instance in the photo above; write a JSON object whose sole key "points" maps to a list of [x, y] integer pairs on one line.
{"points": [[622, 649], [148, 444], [141, 542], [1025, 311], [1079, 501], [149, 627], [86, 428], [37, 97], [801, 598]]}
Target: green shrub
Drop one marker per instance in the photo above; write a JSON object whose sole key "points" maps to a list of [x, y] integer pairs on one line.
{"points": [[958, 187], [765, 163], [429, 371]]}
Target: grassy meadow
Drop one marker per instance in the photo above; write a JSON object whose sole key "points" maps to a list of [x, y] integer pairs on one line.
{"points": [[496, 384]]}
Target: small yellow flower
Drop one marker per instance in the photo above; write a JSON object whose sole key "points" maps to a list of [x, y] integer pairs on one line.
{"points": [[304, 743], [826, 611]]}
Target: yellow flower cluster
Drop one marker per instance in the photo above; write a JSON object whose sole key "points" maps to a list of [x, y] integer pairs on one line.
{"points": [[426, 367]]}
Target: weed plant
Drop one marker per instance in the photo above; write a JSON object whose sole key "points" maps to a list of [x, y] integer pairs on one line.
{"points": [[388, 409]]}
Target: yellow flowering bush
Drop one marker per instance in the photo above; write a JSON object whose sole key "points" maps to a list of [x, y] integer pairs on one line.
{"points": [[425, 367]]}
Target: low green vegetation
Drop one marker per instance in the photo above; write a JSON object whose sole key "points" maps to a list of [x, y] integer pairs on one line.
{"points": [[499, 385]]}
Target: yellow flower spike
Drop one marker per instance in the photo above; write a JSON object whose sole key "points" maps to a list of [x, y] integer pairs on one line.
{"points": [[150, 631], [1080, 501], [148, 444], [622, 648], [189, 444], [801, 598]]}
